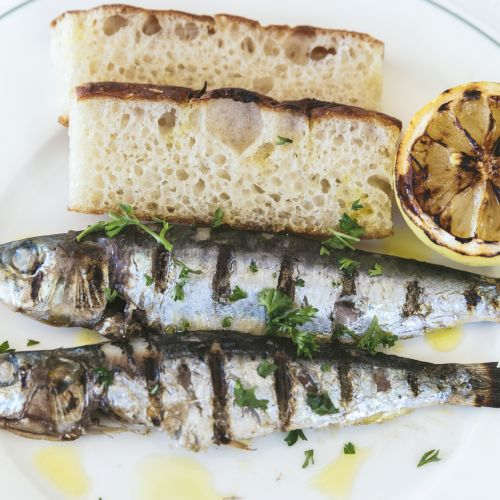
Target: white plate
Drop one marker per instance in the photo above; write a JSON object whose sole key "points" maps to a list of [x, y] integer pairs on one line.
{"points": [[427, 51]]}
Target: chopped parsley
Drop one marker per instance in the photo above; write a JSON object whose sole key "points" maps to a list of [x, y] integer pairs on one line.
{"points": [[123, 218], [283, 140], [356, 205], [349, 233], [321, 404], [154, 390], [237, 294], [218, 216], [293, 436], [265, 368], [32, 342], [349, 449], [376, 271], [178, 292], [110, 294], [5, 348], [227, 321], [300, 283], [348, 265], [149, 280], [336, 284], [428, 457], [309, 454], [325, 367], [284, 318], [341, 330], [246, 397], [104, 376], [184, 325], [375, 336], [253, 267]]}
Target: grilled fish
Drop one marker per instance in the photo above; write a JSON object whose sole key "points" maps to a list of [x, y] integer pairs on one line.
{"points": [[205, 388], [59, 281]]}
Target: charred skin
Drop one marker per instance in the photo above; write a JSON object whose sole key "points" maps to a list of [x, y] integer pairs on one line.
{"points": [[56, 280], [184, 385]]}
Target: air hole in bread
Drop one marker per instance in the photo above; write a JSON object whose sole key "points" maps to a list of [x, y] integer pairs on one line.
{"points": [[380, 183], [124, 120], [270, 48], [210, 30], [151, 25], [113, 24], [248, 45], [182, 175], [188, 31], [166, 122], [325, 185], [263, 84], [319, 53], [220, 43], [296, 49], [258, 189]]}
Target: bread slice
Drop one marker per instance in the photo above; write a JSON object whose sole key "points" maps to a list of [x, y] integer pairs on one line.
{"points": [[179, 154], [129, 44]]}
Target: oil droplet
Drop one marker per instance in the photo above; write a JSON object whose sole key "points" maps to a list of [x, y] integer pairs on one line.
{"points": [[337, 478], [180, 478], [61, 465], [88, 337], [444, 339]]}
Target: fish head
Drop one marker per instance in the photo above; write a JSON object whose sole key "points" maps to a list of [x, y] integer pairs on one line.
{"points": [[42, 393], [54, 279]]}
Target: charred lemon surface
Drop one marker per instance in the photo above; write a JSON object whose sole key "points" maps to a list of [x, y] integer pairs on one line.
{"points": [[447, 175]]}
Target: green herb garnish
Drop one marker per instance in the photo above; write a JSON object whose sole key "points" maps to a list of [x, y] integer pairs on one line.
{"points": [[283, 140], [227, 321], [325, 367], [428, 457], [356, 205], [284, 318], [5, 348], [348, 265], [154, 390], [149, 280], [218, 216], [321, 404], [349, 449], [375, 336], [110, 294], [265, 368], [349, 233], [341, 330], [178, 292], [253, 267], [32, 342], [237, 294], [184, 325], [104, 376], [300, 283], [293, 436], [376, 271], [124, 218], [246, 397], [309, 458]]}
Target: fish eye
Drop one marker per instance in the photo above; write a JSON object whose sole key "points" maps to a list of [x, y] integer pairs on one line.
{"points": [[26, 258]]}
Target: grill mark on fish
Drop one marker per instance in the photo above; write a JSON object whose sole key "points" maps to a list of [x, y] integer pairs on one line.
{"points": [[219, 402], [184, 376], [344, 308], [412, 380], [282, 388], [36, 283], [472, 297], [307, 381], [286, 282], [413, 299], [95, 280], [151, 372], [381, 381], [221, 286], [348, 284], [160, 260], [345, 383]]}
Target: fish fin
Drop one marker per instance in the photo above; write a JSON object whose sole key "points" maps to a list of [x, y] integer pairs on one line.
{"points": [[486, 384]]}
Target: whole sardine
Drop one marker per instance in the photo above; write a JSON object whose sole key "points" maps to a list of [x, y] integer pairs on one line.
{"points": [[57, 280], [206, 388]]}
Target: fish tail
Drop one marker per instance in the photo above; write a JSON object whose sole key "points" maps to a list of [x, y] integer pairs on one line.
{"points": [[485, 383]]}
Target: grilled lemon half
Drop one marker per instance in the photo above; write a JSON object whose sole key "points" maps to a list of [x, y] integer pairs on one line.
{"points": [[447, 174]]}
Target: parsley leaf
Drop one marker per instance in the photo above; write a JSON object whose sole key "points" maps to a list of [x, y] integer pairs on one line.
{"points": [[283, 140], [374, 336], [325, 367], [341, 330], [349, 233], [428, 457], [293, 436], [300, 282], [246, 397], [356, 205], [5, 348], [284, 318], [321, 404], [237, 294], [184, 325], [104, 376], [376, 271], [178, 292], [348, 265], [110, 294], [253, 267], [149, 280], [32, 342], [124, 218], [218, 216], [227, 321], [349, 449], [265, 368], [309, 454]]}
